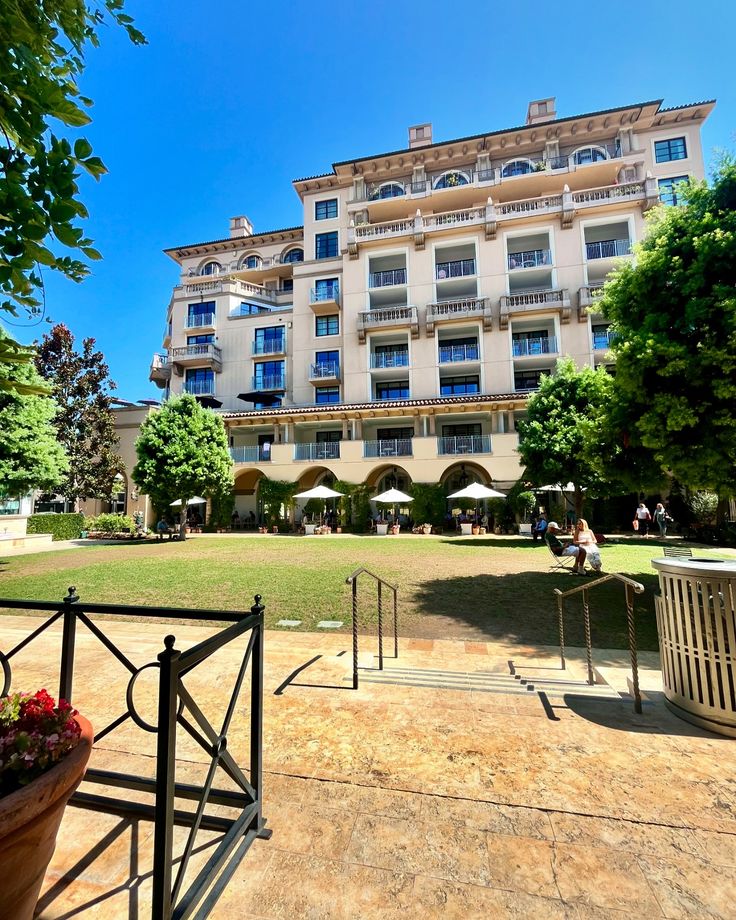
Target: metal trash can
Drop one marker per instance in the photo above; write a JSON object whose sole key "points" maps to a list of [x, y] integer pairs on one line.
{"points": [[696, 624]]}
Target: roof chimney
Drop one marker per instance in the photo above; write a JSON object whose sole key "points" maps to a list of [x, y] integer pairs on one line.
{"points": [[420, 135], [240, 226], [541, 110]]}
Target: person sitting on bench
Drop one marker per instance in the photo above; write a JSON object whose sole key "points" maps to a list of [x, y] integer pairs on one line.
{"points": [[559, 548]]}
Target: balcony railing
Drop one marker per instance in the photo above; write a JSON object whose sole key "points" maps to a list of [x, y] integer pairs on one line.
{"points": [[533, 298], [603, 340], [197, 320], [389, 359], [458, 268], [459, 309], [387, 278], [325, 292], [450, 354], [529, 206], [608, 193], [269, 382], [541, 345], [200, 387], [588, 294], [208, 350], [388, 316], [270, 346], [384, 229], [324, 369], [441, 221], [391, 447], [258, 454], [608, 249], [322, 450], [471, 444], [531, 258]]}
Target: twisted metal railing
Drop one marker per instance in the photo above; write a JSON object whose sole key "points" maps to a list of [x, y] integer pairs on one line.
{"points": [[381, 583]]}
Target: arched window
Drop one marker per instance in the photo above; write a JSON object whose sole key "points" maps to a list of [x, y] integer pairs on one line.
{"points": [[387, 190], [451, 179], [294, 255], [589, 155], [516, 168], [252, 262], [211, 268]]}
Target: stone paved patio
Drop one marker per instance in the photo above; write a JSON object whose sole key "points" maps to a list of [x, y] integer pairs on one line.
{"points": [[445, 787]]}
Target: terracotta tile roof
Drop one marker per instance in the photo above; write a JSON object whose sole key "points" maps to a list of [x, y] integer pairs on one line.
{"points": [[236, 240]]}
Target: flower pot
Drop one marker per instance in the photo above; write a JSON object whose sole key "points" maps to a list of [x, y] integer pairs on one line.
{"points": [[29, 822], [427, 528], [338, 530], [466, 530], [382, 529]]}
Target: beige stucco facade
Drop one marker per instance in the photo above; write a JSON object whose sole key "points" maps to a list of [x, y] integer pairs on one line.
{"points": [[423, 295]]}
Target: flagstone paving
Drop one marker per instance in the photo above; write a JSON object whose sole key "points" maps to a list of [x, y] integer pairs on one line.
{"points": [[466, 780]]}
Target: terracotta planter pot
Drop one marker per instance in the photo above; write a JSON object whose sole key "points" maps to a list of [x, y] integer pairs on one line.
{"points": [[29, 822]]}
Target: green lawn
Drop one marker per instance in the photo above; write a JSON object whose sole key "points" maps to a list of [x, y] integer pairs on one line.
{"points": [[449, 587]]}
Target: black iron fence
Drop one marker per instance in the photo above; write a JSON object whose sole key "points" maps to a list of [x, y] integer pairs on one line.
{"points": [[382, 587], [177, 709]]}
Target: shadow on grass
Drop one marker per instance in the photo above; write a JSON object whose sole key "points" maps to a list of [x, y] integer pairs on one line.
{"points": [[522, 608]]}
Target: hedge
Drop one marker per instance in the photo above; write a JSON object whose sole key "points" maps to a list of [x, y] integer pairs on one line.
{"points": [[60, 526]]}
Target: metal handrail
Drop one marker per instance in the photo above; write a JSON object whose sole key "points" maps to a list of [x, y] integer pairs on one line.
{"points": [[631, 587], [352, 580]]}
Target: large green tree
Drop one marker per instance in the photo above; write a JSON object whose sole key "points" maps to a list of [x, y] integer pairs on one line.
{"points": [[31, 456], [85, 425], [182, 452], [674, 313], [553, 439], [42, 55]]}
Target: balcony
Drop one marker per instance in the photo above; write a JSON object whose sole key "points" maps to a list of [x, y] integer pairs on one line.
{"points": [[256, 454], [160, 371], [325, 370], [275, 345], [387, 317], [451, 220], [321, 450], [602, 341], [389, 278], [167, 334], [456, 354], [533, 347], [208, 355], [535, 302], [609, 194], [464, 308], [200, 320], [471, 444], [392, 447], [458, 268], [269, 382], [389, 360], [607, 249], [532, 258], [200, 387], [228, 285], [325, 298], [587, 297]]}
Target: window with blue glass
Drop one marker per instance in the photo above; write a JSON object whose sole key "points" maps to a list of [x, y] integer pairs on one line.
{"points": [[326, 289], [325, 245], [270, 340], [456, 386], [201, 339], [395, 389], [287, 285], [327, 395], [200, 314], [327, 325], [199, 381], [252, 262], [328, 362], [269, 375], [673, 148], [271, 403], [325, 210], [293, 255], [252, 309], [668, 190]]}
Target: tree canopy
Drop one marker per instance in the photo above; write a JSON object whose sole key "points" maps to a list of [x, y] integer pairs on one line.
{"points": [[182, 452], [85, 425], [553, 439], [674, 315], [31, 457], [42, 49]]}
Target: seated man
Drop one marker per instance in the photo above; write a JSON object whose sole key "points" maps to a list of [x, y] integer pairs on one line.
{"points": [[162, 528], [559, 548]]}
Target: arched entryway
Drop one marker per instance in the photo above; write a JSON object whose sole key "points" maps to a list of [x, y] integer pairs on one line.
{"points": [[247, 504]]}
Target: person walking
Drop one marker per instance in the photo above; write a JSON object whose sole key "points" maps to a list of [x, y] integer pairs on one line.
{"points": [[661, 518], [642, 517]]}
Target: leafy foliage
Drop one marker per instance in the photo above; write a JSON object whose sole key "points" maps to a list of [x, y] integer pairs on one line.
{"points": [[182, 452], [276, 494], [703, 506], [354, 507], [111, 523], [673, 404], [30, 455], [41, 59], [85, 424], [60, 526], [553, 439], [430, 503]]}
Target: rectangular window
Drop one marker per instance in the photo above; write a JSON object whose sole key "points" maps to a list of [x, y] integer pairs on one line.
{"points": [[672, 149], [668, 190], [396, 389], [325, 210], [199, 381], [456, 386], [527, 380], [287, 285], [461, 431], [327, 325], [201, 314], [326, 395], [269, 340], [394, 434], [328, 437], [327, 357], [269, 375], [325, 245], [201, 339], [271, 403], [252, 309], [326, 289]]}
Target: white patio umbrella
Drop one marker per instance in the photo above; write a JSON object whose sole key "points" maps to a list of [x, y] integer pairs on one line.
{"points": [[392, 497], [477, 490], [320, 492], [190, 501]]}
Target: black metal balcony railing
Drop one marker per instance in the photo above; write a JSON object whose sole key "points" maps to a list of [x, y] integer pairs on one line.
{"points": [[388, 359], [196, 320], [251, 454], [449, 354], [200, 387], [325, 369], [470, 444], [532, 258], [608, 249], [458, 268], [325, 292], [539, 345], [387, 278], [269, 382], [388, 447], [321, 450], [274, 345]]}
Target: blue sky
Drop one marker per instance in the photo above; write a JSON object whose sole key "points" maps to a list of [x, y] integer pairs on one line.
{"points": [[231, 101]]}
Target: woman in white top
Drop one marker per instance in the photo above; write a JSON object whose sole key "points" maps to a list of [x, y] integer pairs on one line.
{"points": [[642, 518], [584, 536]]}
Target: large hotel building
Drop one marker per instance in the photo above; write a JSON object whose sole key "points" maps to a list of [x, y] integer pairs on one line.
{"points": [[395, 336]]}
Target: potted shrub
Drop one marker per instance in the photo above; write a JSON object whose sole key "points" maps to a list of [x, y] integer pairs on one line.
{"points": [[44, 749]]}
